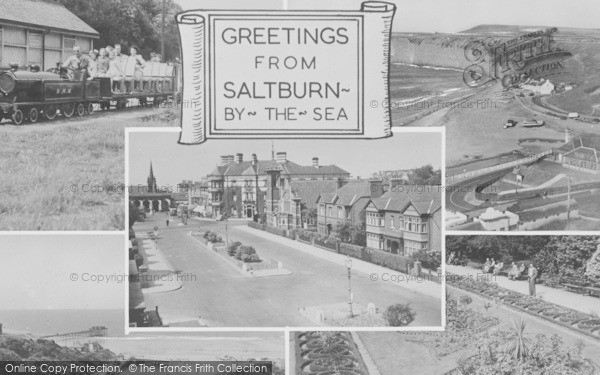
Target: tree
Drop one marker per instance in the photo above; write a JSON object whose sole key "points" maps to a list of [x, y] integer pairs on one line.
{"points": [[592, 268], [134, 214], [130, 22], [425, 175]]}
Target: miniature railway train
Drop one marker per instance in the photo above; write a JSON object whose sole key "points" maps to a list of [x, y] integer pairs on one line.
{"points": [[33, 95]]}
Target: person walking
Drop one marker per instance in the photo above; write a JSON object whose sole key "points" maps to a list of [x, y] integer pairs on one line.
{"points": [[532, 275], [167, 222]]}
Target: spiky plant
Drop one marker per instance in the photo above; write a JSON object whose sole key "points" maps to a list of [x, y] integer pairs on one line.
{"points": [[520, 345]]}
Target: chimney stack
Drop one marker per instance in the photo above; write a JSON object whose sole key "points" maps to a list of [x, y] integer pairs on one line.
{"points": [[254, 159], [376, 187], [315, 162], [230, 159], [281, 157], [239, 157], [395, 181], [567, 135], [224, 159]]}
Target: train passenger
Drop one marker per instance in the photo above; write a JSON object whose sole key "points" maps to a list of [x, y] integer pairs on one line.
{"points": [[114, 71], [154, 57], [103, 63], [139, 63], [93, 65], [118, 51], [77, 64]]}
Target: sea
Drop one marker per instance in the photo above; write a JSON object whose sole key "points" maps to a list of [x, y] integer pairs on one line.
{"points": [[423, 88], [51, 322]]}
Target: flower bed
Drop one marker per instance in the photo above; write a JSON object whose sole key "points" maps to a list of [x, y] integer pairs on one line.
{"points": [[575, 320], [235, 252], [327, 353]]}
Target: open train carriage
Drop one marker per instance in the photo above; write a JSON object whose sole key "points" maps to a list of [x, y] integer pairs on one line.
{"points": [[156, 83]]}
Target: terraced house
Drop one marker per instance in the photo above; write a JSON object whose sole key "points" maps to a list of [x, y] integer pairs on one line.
{"points": [[291, 202], [238, 187], [405, 219], [346, 204]]}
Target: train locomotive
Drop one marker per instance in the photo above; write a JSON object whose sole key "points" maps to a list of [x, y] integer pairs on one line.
{"points": [[32, 95]]}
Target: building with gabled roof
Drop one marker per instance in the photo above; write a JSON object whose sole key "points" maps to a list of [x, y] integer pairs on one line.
{"points": [[238, 187], [581, 153], [346, 204], [405, 219], [294, 202], [41, 33]]}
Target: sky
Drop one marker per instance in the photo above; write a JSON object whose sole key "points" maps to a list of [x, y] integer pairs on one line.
{"points": [[173, 162], [446, 16], [37, 271]]}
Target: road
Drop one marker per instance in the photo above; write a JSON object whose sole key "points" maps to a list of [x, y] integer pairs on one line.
{"points": [[222, 296], [456, 195]]}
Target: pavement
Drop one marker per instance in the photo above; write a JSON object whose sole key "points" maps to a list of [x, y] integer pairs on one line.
{"points": [[159, 270], [426, 287], [215, 294], [579, 302]]}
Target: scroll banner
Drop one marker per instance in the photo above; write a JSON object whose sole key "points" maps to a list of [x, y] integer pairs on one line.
{"points": [[286, 74]]}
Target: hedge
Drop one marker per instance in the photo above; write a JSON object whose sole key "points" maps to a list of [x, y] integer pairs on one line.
{"points": [[354, 251], [327, 243], [393, 261], [388, 260]]}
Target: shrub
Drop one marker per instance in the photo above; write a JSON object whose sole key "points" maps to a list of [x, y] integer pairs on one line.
{"points": [[392, 261], [352, 250], [244, 250], [430, 259], [399, 315], [249, 258], [232, 248], [592, 268], [213, 237], [465, 300]]}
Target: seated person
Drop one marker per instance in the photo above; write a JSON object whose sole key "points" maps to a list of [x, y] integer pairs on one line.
{"points": [[114, 71], [77, 64], [498, 268], [487, 265], [103, 63], [93, 65], [139, 62]]}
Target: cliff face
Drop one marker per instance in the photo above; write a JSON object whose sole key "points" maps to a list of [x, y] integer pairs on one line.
{"points": [[448, 50], [439, 51]]}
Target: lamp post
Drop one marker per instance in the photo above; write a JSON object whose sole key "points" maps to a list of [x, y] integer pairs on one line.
{"points": [[226, 231], [349, 267]]}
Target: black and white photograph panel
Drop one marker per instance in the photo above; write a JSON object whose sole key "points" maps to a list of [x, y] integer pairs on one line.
{"points": [[63, 299], [276, 233], [71, 80], [61, 288], [517, 88], [515, 304]]}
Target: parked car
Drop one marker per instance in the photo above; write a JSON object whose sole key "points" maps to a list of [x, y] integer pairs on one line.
{"points": [[510, 124]]}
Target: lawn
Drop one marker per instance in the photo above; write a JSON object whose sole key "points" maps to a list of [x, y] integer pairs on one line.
{"points": [[51, 174]]}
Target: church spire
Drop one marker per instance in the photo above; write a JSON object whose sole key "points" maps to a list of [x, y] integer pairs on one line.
{"points": [[151, 181]]}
